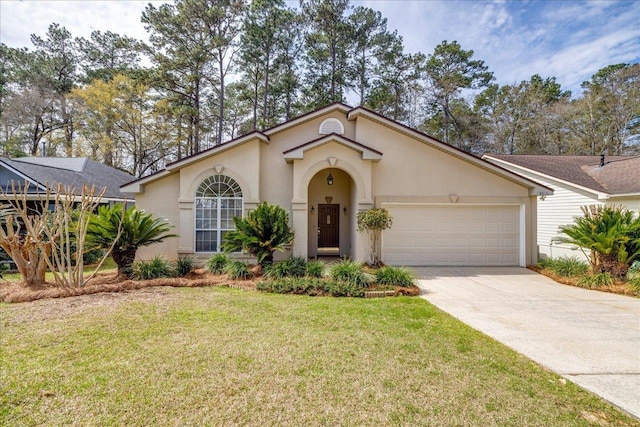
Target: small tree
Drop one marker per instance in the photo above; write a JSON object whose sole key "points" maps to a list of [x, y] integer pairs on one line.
{"points": [[126, 231], [262, 232], [373, 222], [38, 238], [610, 233]]}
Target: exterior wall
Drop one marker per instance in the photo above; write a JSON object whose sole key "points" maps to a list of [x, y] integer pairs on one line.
{"points": [[161, 198], [410, 171], [631, 203]]}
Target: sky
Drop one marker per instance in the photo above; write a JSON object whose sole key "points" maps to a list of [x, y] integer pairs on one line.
{"points": [[569, 40]]}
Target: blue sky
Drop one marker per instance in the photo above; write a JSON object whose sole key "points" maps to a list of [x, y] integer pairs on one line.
{"points": [[570, 40]]}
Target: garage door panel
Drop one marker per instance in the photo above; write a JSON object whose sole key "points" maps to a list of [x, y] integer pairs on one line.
{"points": [[460, 235]]}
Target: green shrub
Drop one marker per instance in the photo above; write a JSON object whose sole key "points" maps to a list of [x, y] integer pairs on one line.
{"points": [[293, 285], [634, 271], [153, 269], [292, 267], [217, 263], [262, 232], [350, 272], [634, 284], [315, 268], [595, 281], [566, 266], [237, 270], [337, 288], [93, 256], [184, 265], [397, 276]]}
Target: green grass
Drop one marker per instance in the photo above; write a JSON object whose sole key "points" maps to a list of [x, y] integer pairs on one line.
{"points": [[211, 356]]}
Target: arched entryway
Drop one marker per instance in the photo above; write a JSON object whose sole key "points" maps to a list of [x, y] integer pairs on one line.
{"points": [[332, 206]]}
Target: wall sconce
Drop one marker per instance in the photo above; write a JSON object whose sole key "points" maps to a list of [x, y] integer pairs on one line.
{"points": [[330, 179], [344, 210], [313, 209]]}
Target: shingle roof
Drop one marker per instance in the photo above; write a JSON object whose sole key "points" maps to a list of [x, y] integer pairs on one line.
{"points": [[73, 172], [619, 175]]}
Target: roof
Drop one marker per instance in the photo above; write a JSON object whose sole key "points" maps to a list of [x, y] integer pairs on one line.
{"points": [[620, 175], [74, 172], [352, 114]]}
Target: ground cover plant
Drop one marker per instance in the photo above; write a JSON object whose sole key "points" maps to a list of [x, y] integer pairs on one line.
{"points": [[216, 356]]}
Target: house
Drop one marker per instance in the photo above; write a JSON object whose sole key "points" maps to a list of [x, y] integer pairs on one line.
{"points": [[448, 207], [576, 181], [73, 172]]}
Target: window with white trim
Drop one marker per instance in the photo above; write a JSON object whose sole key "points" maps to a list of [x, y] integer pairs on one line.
{"points": [[218, 201]]}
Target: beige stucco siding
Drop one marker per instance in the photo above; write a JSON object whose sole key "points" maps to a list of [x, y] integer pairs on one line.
{"points": [[410, 167], [161, 199]]}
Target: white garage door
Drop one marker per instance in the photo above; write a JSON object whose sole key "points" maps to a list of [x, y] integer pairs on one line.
{"points": [[452, 235]]}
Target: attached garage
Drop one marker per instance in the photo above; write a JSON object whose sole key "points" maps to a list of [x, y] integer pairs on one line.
{"points": [[459, 235]]}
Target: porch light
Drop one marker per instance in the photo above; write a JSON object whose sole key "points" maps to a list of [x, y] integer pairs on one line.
{"points": [[344, 210], [330, 179], [313, 209]]}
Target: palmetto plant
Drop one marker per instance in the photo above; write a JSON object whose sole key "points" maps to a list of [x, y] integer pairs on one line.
{"points": [[610, 233], [262, 232], [130, 229]]}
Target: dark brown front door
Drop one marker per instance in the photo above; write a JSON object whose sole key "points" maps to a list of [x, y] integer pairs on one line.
{"points": [[328, 226]]}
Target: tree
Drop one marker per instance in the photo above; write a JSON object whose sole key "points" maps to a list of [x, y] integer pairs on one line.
{"points": [[107, 54], [371, 40], [609, 111], [450, 70], [262, 232], [373, 222], [58, 57], [328, 43], [126, 231]]}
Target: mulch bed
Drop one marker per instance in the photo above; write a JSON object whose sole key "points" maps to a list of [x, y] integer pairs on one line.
{"points": [[13, 292], [619, 287]]}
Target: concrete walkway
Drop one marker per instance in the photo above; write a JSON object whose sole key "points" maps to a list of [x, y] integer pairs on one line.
{"points": [[591, 338]]}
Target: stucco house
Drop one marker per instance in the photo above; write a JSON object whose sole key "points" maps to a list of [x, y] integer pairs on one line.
{"points": [[44, 173], [448, 207], [576, 181]]}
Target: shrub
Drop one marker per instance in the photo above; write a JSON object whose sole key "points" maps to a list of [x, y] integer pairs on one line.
{"points": [[350, 272], [634, 270], [217, 263], [153, 269], [93, 256], [293, 285], [595, 281], [634, 284], [184, 265], [611, 233], [337, 288], [262, 232], [395, 276], [292, 267], [237, 270], [315, 268], [565, 266]]}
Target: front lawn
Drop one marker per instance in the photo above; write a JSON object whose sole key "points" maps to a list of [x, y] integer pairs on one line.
{"points": [[217, 356]]}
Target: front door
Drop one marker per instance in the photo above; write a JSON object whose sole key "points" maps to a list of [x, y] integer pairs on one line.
{"points": [[328, 226]]}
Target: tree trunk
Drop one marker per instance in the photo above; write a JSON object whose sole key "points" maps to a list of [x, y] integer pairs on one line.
{"points": [[124, 260]]}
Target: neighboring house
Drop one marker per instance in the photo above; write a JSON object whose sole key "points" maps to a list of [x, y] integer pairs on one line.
{"points": [[448, 207], [576, 181], [48, 172]]}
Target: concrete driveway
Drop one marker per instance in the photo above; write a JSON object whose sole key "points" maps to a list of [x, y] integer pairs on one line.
{"points": [[591, 338]]}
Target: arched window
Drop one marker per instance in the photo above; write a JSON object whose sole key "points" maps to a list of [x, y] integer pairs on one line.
{"points": [[218, 201]]}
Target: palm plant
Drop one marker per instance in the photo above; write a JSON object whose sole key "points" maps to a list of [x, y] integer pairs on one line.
{"points": [[262, 232], [126, 231], [610, 233]]}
